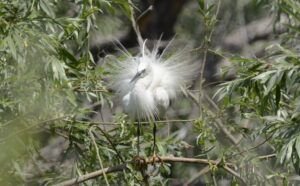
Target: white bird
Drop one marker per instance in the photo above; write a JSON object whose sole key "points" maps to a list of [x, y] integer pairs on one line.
{"points": [[147, 82]]}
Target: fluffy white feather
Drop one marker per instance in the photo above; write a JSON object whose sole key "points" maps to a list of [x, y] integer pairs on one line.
{"points": [[147, 82]]}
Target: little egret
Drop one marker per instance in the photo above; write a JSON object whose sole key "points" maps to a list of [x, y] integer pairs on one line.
{"points": [[147, 82]]}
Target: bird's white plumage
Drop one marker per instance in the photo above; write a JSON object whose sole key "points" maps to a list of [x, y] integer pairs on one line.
{"points": [[147, 82]]}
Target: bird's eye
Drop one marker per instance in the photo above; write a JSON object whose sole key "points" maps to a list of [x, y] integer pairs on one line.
{"points": [[143, 71]]}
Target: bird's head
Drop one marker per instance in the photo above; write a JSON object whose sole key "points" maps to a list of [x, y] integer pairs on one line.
{"points": [[143, 69]]}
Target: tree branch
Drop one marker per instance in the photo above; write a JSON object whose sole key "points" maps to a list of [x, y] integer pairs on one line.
{"points": [[135, 123], [164, 159], [92, 175], [234, 174]]}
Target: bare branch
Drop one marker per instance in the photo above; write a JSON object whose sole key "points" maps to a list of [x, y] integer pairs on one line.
{"points": [[269, 156], [143, 122]]}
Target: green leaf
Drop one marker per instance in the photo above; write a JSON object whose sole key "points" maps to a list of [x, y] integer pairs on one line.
{"points": [[64, 52], [282, 154], [46, 7], [297, 146], [58, 69], [263, 77], [290, 147], [12, 46], [201, 4], [270, 85]]}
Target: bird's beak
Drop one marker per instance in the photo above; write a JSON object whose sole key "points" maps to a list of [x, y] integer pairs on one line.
{"points": [[136, 76]]}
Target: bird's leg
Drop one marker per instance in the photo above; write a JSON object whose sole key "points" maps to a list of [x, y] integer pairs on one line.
{"points": [[138, 137], [154, 138], [139, 161], [154, 156]]}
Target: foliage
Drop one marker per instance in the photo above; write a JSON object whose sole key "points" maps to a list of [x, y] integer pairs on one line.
{"points": [[267, 90], [49, 86], [46, 70]]}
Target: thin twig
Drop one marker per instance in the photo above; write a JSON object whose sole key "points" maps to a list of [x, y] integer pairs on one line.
{"points": [[267, 156], [98, 155], [252, 148], [111, 143], [133, 21], [206, 47], [231, 171], [227, 132], [149, 9], [193, 98], [92, 175], [219, 122], [91, 90], [203, 171], [135, 123]]}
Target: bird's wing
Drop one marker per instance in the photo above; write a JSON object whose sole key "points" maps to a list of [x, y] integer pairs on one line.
{"points": [[140, 103], [161, 97]]}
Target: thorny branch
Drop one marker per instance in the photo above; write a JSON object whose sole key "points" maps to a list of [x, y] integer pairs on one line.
{"points": [[164, 159]]}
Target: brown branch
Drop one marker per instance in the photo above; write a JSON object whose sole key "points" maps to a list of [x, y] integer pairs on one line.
{"points": [[92, 175], [143, 122], [227, 132], [164, 159], [267, 156], [203, 171], [91, 90]]}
